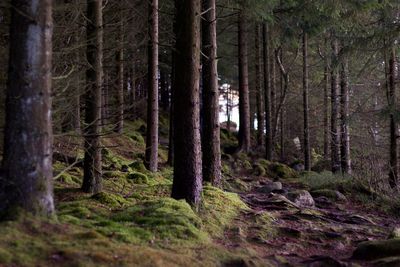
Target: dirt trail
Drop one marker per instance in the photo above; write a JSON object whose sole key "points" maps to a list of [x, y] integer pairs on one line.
{"points": [[323, 235]]}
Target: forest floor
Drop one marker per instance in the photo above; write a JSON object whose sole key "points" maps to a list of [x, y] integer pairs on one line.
{"points": [[265, 214]]}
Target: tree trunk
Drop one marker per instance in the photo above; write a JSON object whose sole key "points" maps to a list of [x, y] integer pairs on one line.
{"points": [[335, 103], [152, 98], [306, 140], [344, 103], [27, 162], [244, 101], [187, 183], [211, 129], [77, 97], [267, 92], [170, 161], [259, 89], [120, 81], [94, 80], [393, 163], [326, 106]]}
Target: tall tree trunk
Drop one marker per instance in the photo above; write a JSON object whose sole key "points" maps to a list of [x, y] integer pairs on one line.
{"points": [[393, 163], [335, 103], [273, 96], [120, 81], [152, 98], [244, 101], [267, 92], [326, 104], [211, 129], [306, 140], [27, 162], [77, 97], [187, 183], [344, 103], [94, 80], [259, 89]]}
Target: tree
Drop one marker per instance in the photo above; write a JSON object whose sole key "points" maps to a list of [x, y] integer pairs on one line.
{"points": [[259, 88], [94, 83], [27, 162], [335, 107], [344, 117], [120, 79], [152, 98], [393, 162], [211, 146], [267, 91], [306, 140], [244, 101], [187, 182]]}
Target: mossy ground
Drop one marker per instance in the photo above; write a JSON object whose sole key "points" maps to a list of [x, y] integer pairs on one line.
{"points": [[132, 222]]}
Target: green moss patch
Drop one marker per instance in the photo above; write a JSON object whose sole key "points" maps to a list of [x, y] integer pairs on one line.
{"points": [[138, 178]]}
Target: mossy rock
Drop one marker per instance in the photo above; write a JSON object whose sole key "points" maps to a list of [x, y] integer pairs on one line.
{"points": [[373, 250], [259, 170], [69, 179], [329, 193], [167, 219], [137, 137], [138, 165], [138, 178], [109, 199], [279, 170], [226, 169]]}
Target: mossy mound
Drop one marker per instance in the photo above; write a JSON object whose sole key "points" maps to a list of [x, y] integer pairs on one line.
{"points": [[69, 179], [277, 170], [138, 178], [136, 137], [138, 165], [219, 208], [109, 199], [168, 219], [372, 250]]}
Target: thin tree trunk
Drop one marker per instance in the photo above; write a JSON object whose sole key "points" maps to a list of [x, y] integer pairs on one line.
{"points": [[267, 92], [244, 101], [273, 96], [120, 84], [335, 103], [344, 99], [94, 79], [306, 140], [326, 105], [211, 129], [393, 163], [27, 162], [259, 89], [152, 98], [77, 97], [187, 183]]}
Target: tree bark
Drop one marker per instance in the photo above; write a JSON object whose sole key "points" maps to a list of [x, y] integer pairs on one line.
{"points": [[393, 162], [94, 80], [152, 98], [244, 101], [187, 183], [306, 140], [335, 104], [259, 89], [120, 81], [211, 144], [326, 105], [344, 103], [27, 164], [267, 92]]}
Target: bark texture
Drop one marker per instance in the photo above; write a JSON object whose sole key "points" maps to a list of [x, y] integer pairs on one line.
{"points": [[344, 104], [393, 163], [267, 92], [27, 164], [94, 83], [211, 144], [119, 127], [259, 89], [151, 157], [306, 126], [244, 101], [187, 183]]}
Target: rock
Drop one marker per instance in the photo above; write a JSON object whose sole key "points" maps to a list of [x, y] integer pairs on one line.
{"points": [[395, 234], [271, 187], [324, 261], [301, 198], [330, 194], [373, 250]]}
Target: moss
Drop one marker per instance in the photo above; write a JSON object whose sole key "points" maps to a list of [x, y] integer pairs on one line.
{"points": [[136, 137], [219, 208], [109, 199], [138, 178], [278, 170], [5, 256], [259, 170], [138, 165], [69, 179], [226, 169], [167, 219], [163, 154]]}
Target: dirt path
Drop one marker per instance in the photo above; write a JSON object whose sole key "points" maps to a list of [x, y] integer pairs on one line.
{"points": [[324, 234]]}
